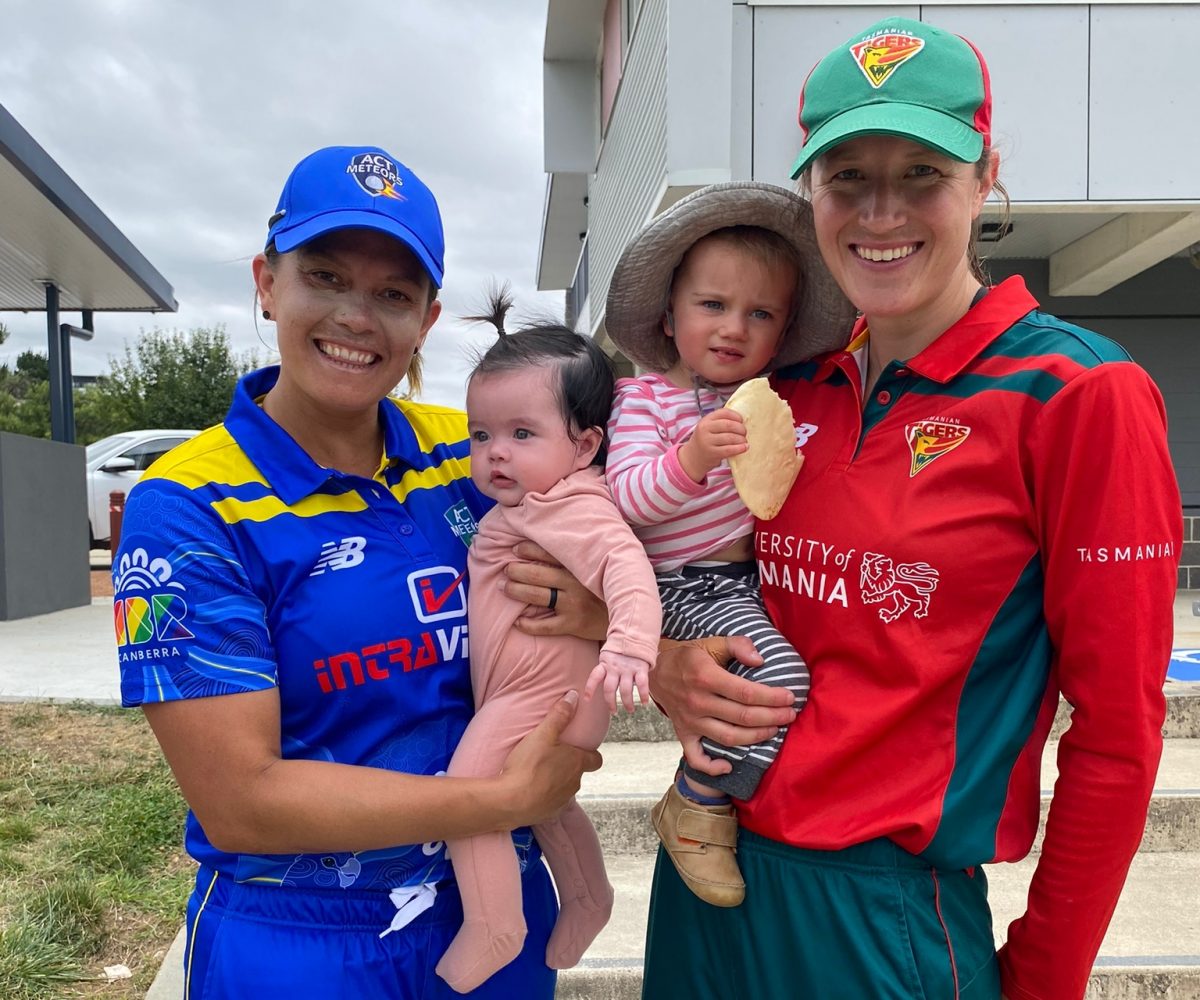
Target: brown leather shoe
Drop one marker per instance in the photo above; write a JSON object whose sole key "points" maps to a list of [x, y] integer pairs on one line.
{"points": [[701, 842]]}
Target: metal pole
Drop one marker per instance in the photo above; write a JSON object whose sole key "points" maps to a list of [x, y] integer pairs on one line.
{"points": [[68, 400], [58, 412], [67, 333]]}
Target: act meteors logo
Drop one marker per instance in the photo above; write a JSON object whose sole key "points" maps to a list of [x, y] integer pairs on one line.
{"points": [[933, 438], [878, 57], [377, 175]]}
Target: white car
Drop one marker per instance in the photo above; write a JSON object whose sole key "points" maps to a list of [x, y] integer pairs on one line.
{"points": [[115, 463]]}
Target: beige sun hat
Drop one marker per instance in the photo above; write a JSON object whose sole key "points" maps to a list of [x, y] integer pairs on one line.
{"points": [[638, 292]]}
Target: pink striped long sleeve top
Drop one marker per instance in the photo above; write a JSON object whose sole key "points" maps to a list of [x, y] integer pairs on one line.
{"points": [[678, 520]]}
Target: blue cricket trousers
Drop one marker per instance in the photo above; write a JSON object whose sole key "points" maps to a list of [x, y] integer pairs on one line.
{"points": [[251, 942]]}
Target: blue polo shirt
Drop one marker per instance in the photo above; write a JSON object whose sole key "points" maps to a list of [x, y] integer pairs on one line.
{"points": [[244, 565]]}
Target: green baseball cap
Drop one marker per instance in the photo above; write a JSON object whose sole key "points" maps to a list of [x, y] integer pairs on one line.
{"points": [[899, 77]]}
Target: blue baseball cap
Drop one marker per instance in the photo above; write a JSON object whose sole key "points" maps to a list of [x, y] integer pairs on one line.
{"points": [[359, 187]]}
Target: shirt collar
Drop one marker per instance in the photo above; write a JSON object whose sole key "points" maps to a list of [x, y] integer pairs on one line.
{"points": [[289, 469], [958, 346]]}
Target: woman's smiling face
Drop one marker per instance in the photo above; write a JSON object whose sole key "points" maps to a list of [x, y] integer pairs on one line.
{"points": [[350, 310], [893, 221]]}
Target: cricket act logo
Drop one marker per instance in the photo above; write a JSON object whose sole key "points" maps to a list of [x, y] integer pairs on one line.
{"points": [[438, 593], [156, 617], [879, 57], [932, 438]]}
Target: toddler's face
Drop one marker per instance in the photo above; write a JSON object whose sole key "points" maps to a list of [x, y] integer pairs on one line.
{"points": [[729, 310], [519, 442]]}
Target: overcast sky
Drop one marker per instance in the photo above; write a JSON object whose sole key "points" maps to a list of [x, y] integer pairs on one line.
{"points": [[181, 121]]}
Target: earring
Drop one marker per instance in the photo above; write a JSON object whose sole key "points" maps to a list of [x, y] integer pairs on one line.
{"points": [[266, 315]]}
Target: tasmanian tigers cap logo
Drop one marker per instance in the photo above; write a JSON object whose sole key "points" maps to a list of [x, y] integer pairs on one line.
{"points": [[898, 77], [879, 57]]}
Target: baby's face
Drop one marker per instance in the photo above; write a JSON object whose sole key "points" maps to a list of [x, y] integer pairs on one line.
{"points": [[728, 309], [519, 441]]}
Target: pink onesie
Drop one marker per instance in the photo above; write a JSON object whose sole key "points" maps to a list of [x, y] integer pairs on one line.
{"points": [[516, 679]]}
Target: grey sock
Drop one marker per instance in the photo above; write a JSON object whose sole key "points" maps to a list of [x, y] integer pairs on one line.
{"points": [[740, 782]]}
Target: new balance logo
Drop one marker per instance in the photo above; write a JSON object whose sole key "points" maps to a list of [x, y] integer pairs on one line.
{"points": [[340, 555]]}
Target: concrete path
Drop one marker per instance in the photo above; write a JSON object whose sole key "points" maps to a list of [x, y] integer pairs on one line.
{"points": [[69, 655], [64, 656]]}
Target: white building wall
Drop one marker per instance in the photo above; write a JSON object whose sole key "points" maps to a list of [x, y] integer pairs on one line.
{"points": [[629, 176], [1091, 101], [1144, 143]]}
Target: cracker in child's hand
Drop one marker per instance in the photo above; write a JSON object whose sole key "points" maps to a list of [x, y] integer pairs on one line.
{"points": [[763, 474]]}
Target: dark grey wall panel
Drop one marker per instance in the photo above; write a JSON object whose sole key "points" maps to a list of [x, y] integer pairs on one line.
{"points": [[1167, 349], [1155, 316], [43, 527]]}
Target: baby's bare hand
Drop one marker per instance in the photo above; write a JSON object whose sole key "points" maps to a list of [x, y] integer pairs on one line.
{"points": [[718, 436]]}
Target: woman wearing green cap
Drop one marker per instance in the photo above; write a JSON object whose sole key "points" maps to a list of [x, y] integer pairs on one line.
{"points": [[291, 615], [987, 520]]}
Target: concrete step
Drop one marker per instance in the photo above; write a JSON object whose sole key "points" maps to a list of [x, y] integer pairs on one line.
{"points": [[1182, 722], [618, 797], [1152, 948]]}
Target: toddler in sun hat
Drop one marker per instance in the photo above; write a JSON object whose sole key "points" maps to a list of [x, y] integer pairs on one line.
{"points": [[726, 285]]}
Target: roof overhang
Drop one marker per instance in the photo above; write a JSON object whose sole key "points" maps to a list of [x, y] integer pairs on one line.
{"points": [[52, 233], [573, 29], [1094, 246]]}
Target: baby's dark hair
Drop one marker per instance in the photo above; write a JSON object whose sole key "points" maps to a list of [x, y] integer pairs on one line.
{"points": [[586, 378]]}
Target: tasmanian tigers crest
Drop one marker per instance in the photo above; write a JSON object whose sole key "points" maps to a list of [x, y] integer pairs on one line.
{"points": [[908, 585]]}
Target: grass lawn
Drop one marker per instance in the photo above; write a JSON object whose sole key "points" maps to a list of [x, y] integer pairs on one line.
{"points": [[92, 869]]}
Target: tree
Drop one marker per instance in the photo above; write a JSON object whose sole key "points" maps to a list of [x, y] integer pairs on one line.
{"points": [[25, 393], [167, 379]]}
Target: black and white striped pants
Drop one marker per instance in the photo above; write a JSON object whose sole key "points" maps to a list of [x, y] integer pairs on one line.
{"points": [[700, 601]]}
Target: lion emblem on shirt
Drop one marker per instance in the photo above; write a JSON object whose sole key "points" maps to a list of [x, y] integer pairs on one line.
{"points": [[897, 587]]}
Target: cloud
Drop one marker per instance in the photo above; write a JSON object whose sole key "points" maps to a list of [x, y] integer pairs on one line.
{"points": [[181, 122]]}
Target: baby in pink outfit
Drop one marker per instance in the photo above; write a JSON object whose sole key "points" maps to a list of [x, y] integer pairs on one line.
{"points": [[537, 405]]}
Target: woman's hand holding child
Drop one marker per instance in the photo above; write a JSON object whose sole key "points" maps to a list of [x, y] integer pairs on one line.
{"points": [[542, 773]]}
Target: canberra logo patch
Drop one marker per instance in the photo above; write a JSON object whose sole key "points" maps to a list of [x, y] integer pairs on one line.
{"points": [[933, 438], [377, 175], [878, 57], [157, 614]]}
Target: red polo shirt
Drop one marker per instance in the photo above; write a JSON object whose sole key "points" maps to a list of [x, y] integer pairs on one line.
{"points": [[999, 524]]}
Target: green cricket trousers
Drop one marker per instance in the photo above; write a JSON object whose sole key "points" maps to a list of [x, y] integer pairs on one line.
{"points": [[869, 922]]}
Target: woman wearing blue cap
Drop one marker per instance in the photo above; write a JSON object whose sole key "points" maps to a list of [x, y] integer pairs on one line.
{"points": [[291, 615], [986, 519]]}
